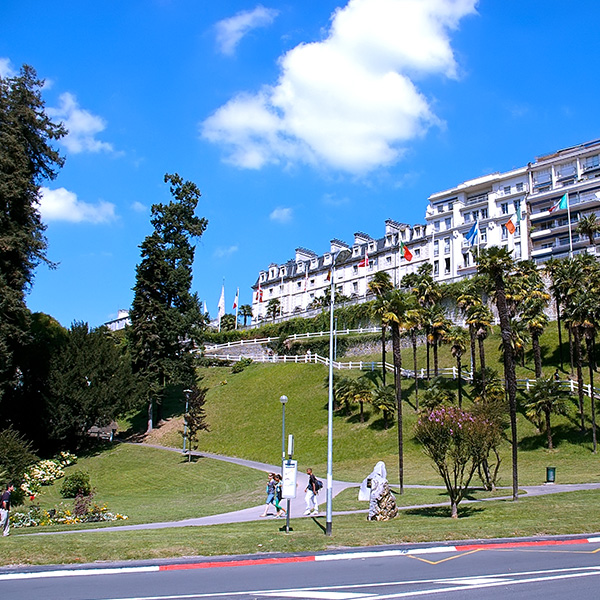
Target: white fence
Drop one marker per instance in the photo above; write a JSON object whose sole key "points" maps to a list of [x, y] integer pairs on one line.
{"points": [[367, 365]]}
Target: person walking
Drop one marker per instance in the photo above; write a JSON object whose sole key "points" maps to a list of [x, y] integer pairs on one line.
{"points": [[310, 497], [5, 509], [278, 495], [270, 494]]}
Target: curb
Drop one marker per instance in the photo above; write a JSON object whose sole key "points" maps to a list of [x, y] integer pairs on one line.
{"points": [[250, 562]]}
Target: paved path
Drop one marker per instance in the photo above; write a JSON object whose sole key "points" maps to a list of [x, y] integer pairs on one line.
{"points": [[297, 505]]}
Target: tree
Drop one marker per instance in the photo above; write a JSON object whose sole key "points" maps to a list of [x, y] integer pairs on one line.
{"points": [[457, 338], [228, 322], [457, 442], [245, 312], [380, 285], [398, 304], [545, 398], [90, 384], [438, 326], [384, 400], [589, 226], [26, 160], [166, 319], [195, 417], [497, 263], [480, 318], [273, 308], [16, 455], [414, 323]]}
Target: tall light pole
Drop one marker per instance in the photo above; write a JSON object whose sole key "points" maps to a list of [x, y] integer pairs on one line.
{"points": [[283, 400], [341, 257]]}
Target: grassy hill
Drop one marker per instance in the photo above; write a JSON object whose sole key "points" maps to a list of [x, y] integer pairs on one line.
{"points": [[244, 414]]}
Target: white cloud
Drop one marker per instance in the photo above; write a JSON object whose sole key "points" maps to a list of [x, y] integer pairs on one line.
{"points": [[6, 69], [138, 207], [225, 252], [281, 215], [350, 101], [63, 205], [231, 31], [81, 124]]}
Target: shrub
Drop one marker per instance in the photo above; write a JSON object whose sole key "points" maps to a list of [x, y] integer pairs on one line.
{"points": [[77, 483], [239, 366]]}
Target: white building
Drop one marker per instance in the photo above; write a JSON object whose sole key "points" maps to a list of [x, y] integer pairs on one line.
{"points": [[523, 196]]}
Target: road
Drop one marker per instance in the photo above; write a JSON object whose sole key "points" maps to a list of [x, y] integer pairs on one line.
{"points": [[525, 569]]}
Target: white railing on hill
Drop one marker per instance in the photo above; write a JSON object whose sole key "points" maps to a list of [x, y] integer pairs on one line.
{"points": [[293, 336], [371, 365]]}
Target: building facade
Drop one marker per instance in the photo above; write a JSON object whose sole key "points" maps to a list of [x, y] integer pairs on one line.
{"points": [[520, 210]]}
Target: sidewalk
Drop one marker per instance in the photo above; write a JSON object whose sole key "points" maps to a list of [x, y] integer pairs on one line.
{"points": [[297, 506]]}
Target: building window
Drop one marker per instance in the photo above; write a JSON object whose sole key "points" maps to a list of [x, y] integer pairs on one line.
{"points": [[355, 269], [436, 248], [446, 245], [467, 217], [466, 258], [450, 205], [440, 208], [448, 222], [312, 283], [475, 215], [591, 162], [506, 190], [447, 266], [517, 249], [484, 213], [355, 286], [436, 267], [519, 187], [436, 225], [504, 208], [417, 252], [483, 234], [299, 285], [504, 232]]}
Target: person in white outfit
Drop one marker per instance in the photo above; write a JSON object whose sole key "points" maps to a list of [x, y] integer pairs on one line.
{"points": [[310, 497]]}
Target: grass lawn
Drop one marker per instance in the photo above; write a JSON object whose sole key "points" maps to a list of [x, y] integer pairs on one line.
{"points": [[546, 515]]}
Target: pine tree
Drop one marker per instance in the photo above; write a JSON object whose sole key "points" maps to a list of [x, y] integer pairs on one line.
{"points": [[26, 159], [166, 318]]}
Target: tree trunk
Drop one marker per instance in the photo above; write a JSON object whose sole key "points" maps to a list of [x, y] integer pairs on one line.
{"points": [[459, 367], [362, 411], [548, 430], [537, 353], [383, 354], [579, 368], [453, 509], [482, 364], [509, 374], [589, 342], [414, 346], [472, 338], [398, 383], [571, 350], [435, 358], [558, 321]]}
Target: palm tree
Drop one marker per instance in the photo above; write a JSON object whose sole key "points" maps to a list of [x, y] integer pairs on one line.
{"points": [[273, 308], [414, 322], [536, 321], [497, 263], [245, 312], [480, 318], [553, 269], [398, 304], [545, 398], [590, 226], [438, 326], [457, 338], [384, 400], [380, 285], [468, 297]]}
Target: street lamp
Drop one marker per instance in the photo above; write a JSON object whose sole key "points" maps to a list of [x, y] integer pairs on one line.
{"points": [[187, 402], [283, 400], [341, 257]]}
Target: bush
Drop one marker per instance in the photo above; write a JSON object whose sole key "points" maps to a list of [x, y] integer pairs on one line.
{"points": [[239, 366], [77, 483]]}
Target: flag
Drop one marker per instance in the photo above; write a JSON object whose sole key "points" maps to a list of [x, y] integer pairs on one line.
{"points": [[365, 261], [328, 278], [259, 293], [221, 304], [405, 251], [471, 237], [561, 204], [237, 297], [205, 309], [510, 225], [306, 277]]}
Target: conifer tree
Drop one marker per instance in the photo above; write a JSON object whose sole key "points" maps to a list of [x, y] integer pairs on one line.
{"points": [[26, 160], [166, 318]]}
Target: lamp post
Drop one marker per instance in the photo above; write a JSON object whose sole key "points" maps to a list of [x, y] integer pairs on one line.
{"points": [[283, 400], [187, 402], [341, 257]]}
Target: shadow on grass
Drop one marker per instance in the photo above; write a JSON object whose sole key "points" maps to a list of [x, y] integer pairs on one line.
{"points": [[561, 434], [443, 511]]}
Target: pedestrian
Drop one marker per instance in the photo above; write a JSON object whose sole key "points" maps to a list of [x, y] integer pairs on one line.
{"points": [[311, 491], [556, 375], [278, 495], [5, 509], [270, 494]]}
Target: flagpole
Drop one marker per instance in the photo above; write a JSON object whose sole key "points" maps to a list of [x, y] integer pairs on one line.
{"points": [[570, 232]]}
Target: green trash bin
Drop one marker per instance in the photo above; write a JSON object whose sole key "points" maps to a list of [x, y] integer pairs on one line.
{"points": [[550, 474]]}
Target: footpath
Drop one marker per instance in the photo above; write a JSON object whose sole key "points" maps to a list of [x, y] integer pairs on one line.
{"points": [[297, 506]]}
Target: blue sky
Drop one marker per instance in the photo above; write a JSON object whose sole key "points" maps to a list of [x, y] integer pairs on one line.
{"points": [[300, 121]]}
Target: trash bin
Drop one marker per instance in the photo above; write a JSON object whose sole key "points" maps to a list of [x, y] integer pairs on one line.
{"points": [[550, 474]]}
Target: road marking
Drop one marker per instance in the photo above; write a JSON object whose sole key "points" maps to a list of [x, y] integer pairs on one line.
{"points": [[309, 595]]}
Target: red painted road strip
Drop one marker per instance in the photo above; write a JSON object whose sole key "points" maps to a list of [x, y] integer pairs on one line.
{"points": [[238, 563], [520, 544]]}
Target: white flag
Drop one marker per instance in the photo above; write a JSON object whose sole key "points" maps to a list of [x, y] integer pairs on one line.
{"points": [[221, 306]]}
